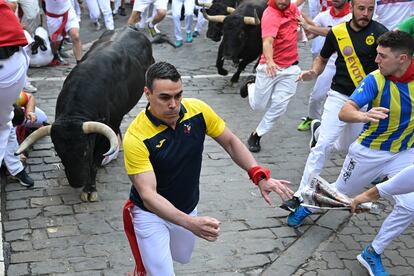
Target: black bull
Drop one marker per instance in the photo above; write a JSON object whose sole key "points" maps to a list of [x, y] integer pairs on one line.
{"points": [[242, 41], [95, 96]]}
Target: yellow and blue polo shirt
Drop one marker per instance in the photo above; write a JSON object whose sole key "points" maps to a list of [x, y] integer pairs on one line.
{"points": [[395, 133], [174, 155]]}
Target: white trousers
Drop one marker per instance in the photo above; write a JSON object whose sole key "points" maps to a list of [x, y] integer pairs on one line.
{"points": [[13, 163], [96, 6], [320, 91], [176, 14], [160, 242], [333, 133], [401, 183], [278, 90], [53, 24], [362, 165], [200, 20], [12, 81]]}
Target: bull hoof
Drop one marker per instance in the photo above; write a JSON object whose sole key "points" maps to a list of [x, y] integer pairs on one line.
{"points": [[93, 197], [84, 196], [89, 197], [223, 72]]}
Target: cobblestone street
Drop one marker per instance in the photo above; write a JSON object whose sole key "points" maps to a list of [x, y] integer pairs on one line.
{"points": [[48, 230]]}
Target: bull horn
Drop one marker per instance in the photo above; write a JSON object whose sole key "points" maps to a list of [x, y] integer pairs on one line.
{"points": [[204, 5], [96, 127], [213, 18], [32, 138], [250, 20], [230, 9]]}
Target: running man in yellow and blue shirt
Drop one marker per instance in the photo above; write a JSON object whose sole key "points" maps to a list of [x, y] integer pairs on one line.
{"points": [[163, 149], [385, 145]]}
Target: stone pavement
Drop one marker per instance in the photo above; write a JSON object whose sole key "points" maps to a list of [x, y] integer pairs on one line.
{"points": [[47, 230]]}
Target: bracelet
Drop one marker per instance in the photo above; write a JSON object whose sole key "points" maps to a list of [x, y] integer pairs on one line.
{"points": [[258, 173]]}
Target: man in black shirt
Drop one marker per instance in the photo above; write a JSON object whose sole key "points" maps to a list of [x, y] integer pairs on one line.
{"points": [[355, 43]]}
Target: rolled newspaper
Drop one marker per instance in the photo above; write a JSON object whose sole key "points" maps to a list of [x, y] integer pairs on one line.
{"points": [[321, 195]]}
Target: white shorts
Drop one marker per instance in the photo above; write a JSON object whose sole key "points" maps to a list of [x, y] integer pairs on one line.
{"points": [[53, 24], [141, 5], [160, 242]]}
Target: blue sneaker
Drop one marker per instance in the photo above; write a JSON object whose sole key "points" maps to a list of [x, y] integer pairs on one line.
{"points": [[372, 262], [296, 218], [189, 38], [178, 43]]}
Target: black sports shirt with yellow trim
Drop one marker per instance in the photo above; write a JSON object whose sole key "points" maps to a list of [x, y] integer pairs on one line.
{"points": [[174, 155], [365, 47]]}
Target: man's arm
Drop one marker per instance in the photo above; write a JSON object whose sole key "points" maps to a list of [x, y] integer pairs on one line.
{"points": [[245, 160], [318, 66], [271, 66], [350, 113], [145, 183]]}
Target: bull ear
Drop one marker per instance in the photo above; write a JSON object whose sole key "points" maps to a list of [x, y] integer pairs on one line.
{"points": [[204, 5], [213, 18], [32, 138], [96, 127]]}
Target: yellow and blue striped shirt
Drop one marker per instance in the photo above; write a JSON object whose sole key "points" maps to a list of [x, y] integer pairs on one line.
{"points": [[395, 133]]}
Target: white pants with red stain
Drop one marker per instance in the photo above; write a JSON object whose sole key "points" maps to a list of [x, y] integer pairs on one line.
{"points": [[277, 90], [12, 81], [160, 242], [363, 165]]}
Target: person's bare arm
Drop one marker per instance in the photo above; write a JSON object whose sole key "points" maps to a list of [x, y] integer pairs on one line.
{"points": [[30, 109], [310, 27], [271, 66], [367, 196], [350, 113], [145, 183], [245, 160]]}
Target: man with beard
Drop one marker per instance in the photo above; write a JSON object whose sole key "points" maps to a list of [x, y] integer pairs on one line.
{"points": [[385, 146], [355, 44], [339, 12], [277, 70]]}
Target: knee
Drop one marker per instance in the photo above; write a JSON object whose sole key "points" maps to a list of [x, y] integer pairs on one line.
{"points": [[75, 36]]}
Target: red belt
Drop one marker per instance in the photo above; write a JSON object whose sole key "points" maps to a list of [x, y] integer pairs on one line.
{"points": [[130, 233], [61, 30]]}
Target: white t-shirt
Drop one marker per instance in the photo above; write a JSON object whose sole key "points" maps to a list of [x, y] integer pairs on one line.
{"points": [[325, 19], [58, 6], [391, 13]]}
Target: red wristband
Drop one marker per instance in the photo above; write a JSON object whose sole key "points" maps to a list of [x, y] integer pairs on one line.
{"points": [[258, 173]]}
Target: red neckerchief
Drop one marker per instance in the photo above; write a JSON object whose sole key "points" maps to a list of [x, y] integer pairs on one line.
{"points": [[408, 75], [342, 12]]}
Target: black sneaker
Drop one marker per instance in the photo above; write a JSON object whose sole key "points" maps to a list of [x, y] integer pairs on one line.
{"points": [[243, 88], [122, 11], [24, 179], [63, 54], [314, 126], [290, 204], [254, 142]]}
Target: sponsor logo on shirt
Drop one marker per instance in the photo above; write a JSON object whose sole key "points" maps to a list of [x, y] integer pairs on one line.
{"points": [[370, 40], [160, 143]]}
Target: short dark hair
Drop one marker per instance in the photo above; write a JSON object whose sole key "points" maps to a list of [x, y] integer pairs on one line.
{"points": [[161, 70], [398, 41]]}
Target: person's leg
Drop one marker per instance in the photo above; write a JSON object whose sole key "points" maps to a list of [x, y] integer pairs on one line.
{"points": [[182, 242], [283, 91], [31, 12], [176, 13], [189, 12], [330, 129], [137, 9], [72, 27], [12, 81], [200, 22], [161, 6], [13, 163], [260, 91], [105, 7], [153, 240], [94, 11]]}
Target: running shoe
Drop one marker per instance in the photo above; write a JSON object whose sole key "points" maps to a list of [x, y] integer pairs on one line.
{"points": [[189, 38], [314, 126], [372, 262], [305, 124], [296, 218]]}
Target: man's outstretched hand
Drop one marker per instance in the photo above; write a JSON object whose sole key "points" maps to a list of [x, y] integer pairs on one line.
{"points": [[278, 186]]}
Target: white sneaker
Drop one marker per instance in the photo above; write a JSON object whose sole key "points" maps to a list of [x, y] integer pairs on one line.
{"points": [[97, 26], [29, 87]]}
